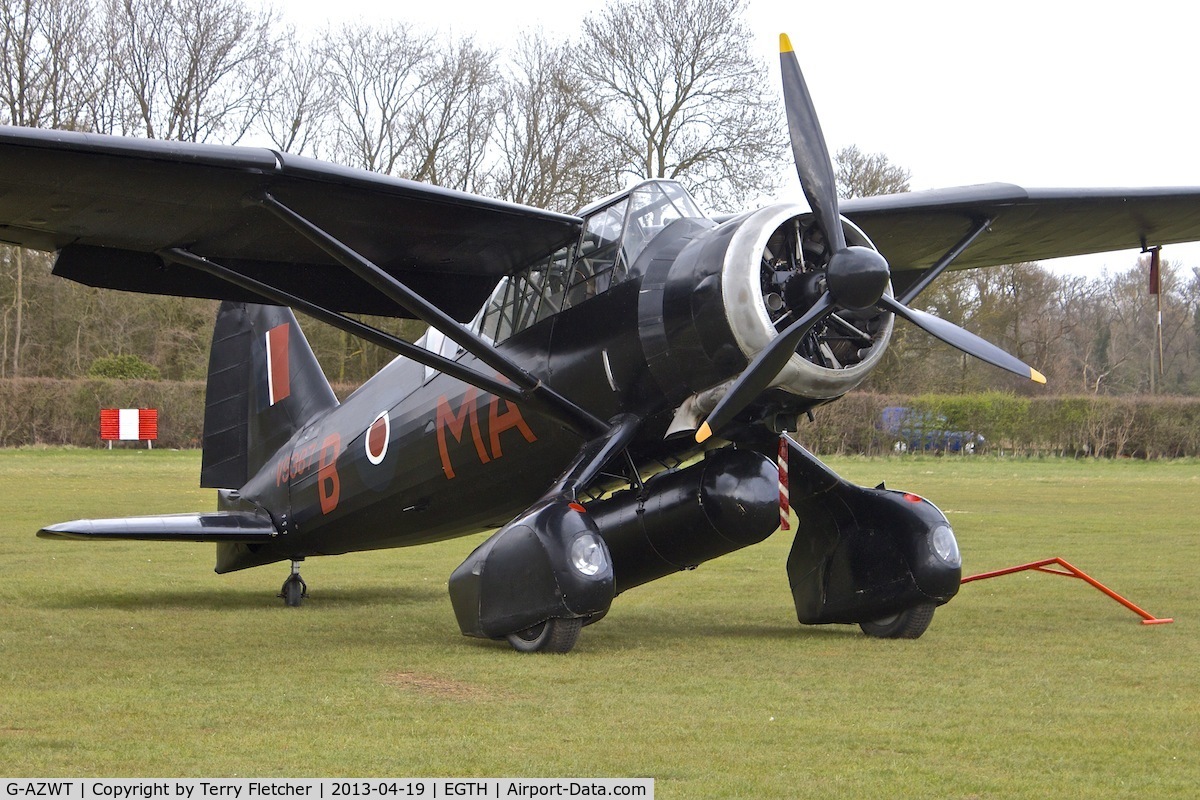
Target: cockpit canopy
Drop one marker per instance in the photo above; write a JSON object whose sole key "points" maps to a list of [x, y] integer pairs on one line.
{"points": [[615, 232]]}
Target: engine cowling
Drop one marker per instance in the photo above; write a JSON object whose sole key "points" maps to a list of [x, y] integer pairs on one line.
{"points": [[713, 297]]}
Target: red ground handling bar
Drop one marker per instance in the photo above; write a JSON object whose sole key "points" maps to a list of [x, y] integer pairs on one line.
{"points": [[1070, 571]]}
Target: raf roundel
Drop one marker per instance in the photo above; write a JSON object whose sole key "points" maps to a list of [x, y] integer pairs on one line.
{"points": [[377, 438]]}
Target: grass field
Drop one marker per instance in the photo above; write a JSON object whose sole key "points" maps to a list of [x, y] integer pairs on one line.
{"points": [[126, 660]]}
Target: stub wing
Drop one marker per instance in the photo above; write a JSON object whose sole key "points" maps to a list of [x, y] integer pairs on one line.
{"points": [[217, 526]]}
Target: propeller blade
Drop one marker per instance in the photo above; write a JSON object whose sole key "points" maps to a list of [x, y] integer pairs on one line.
{"points": [[769, 362], [856, 277], [813, 164], [962, 339]]}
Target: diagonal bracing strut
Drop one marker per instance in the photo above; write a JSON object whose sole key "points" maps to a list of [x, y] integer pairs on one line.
{"points": [[388, 285], [928, 276], [352, 326], [530, 388]]}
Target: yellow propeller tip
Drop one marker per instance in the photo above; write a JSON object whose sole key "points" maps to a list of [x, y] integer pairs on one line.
{"points": [[703, 433], [785, 44], [1036, 376]]}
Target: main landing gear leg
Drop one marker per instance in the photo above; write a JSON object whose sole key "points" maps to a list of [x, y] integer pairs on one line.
{"points": [[294, 588]]}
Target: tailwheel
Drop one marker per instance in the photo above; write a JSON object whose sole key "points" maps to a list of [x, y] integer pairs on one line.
{"points": [[908, 624], [551, 636], [294, 589]]}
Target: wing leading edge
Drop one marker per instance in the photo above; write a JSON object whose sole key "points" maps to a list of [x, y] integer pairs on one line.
{"points": [[914, 229], [109, 204]]}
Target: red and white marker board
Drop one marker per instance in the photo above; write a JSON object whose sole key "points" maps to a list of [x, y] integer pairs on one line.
{"points": [[129, 425]]}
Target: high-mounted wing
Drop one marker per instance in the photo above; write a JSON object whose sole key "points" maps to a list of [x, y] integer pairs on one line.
{"points": [[913, 230], [108, 204]]}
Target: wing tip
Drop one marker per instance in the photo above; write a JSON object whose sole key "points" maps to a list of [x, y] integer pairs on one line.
{"points": [[54, 532]]}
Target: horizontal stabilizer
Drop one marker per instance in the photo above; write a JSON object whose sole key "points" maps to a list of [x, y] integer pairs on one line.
{"points": [[217, 526]]}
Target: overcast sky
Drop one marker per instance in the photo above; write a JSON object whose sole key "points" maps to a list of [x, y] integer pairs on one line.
{"points": [[1042, 94]]}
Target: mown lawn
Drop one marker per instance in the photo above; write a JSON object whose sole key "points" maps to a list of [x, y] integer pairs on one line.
{"points": [[128, 660]]}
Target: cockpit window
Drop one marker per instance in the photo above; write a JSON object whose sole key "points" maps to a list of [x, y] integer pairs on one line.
{"points": [[598, 263], [652, 207], [615, 232], [527, 297]]}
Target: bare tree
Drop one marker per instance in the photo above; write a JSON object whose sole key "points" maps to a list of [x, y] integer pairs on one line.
{"points": [[197, 70], [44, 55], [678, 95], [296, 113], [1084, 359], [452, 117], [110, 108], [860, 174], [1132, 313], [550, 153], [375, 74]]}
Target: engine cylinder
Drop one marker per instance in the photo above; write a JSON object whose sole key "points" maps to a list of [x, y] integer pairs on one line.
{"points": [[685, 517], [750, 317]]}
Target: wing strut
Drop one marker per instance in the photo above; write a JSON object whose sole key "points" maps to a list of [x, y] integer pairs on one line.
{"points": [[352, 326], [931, 274], [532, 388], [594, 455]]}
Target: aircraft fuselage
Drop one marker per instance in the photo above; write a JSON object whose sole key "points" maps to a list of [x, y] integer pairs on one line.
{"points": [[392, 465]]}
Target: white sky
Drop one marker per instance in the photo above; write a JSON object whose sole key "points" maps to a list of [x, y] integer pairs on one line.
{"points": [[1042, 94]]}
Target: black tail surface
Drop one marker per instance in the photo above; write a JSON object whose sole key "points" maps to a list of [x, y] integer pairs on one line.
{"points": [[264, 384]]}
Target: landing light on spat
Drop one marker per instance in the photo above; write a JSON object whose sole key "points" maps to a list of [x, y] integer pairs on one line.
{"points": [[588, 555], [946, 546]]}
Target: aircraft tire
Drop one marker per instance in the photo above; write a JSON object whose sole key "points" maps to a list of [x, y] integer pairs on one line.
{"points": [[551, 636], [909, 624], [293, 593]]}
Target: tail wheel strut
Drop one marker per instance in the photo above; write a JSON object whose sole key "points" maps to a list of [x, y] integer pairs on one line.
{"points": [[294, 589]]}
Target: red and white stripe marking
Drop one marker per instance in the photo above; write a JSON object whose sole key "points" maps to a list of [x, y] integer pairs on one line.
{"points": [[784, 501], [128, 424], [279, 384]]}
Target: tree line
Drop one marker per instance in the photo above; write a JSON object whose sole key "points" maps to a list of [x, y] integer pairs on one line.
{"points": [[657, 88], [1090, 335], [661, 88], [57, 412]]}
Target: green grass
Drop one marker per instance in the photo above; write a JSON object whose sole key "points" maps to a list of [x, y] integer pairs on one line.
{"points": [[137, 660]]}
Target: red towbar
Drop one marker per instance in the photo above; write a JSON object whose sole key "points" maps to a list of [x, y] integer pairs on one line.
{"points": [[1070, 571]]}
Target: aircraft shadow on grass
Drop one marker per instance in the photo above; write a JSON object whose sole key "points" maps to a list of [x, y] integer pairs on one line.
{"points": [[241, 600]]}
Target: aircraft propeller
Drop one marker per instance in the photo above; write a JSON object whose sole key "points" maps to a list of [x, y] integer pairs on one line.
{"points": [[856, 277]]}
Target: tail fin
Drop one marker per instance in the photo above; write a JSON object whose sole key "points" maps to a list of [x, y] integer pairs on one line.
{"points": [[264, 384]]}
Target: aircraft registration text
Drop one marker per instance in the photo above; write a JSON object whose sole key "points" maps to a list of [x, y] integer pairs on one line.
{"points": [[468, 414]]}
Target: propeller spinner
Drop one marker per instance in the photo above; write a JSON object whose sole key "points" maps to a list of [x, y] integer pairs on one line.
{"points": [[856, 277]]}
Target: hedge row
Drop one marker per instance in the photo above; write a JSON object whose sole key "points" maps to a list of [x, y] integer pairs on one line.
{"points": [[66, 412], [47, 411], [1108, 427]]}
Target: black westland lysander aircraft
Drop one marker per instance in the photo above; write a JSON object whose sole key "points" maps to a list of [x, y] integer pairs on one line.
{"points": [[573, 366]]}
